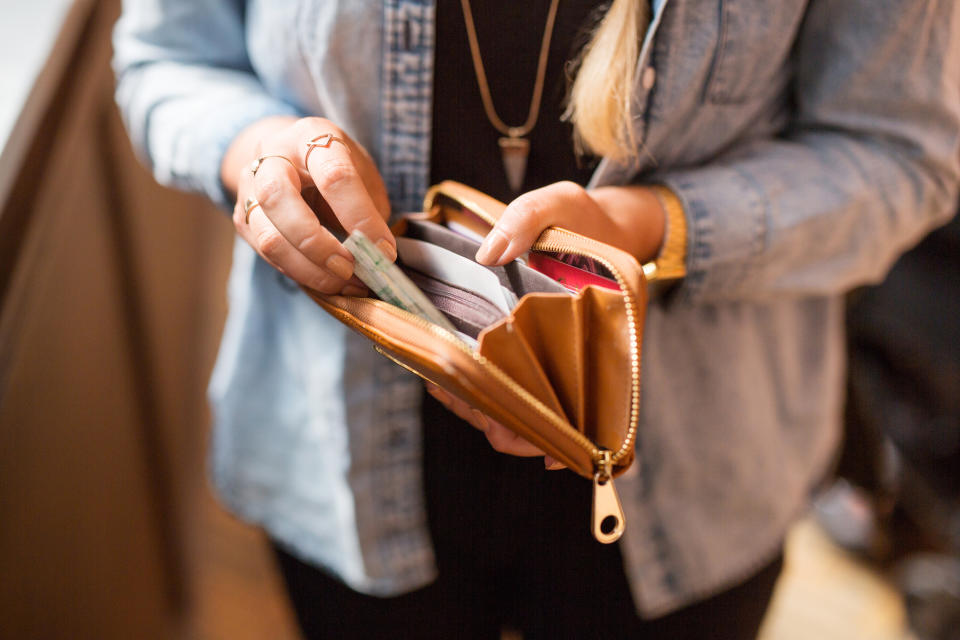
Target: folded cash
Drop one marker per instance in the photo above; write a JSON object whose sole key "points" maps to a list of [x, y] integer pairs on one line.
{"points": [[389, 283]]}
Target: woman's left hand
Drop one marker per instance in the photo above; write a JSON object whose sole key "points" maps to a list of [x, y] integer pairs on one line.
{"points": [[630, 218]]}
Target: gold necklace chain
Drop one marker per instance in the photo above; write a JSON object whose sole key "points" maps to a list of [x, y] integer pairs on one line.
{"points": [[500, 125]]}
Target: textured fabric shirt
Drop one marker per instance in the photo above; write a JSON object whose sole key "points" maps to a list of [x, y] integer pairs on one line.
{"points": [[809, 141]]}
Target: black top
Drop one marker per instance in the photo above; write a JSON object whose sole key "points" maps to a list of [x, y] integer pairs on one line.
{"points": [[464, 143]]}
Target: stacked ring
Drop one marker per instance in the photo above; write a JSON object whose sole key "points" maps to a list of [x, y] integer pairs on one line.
{"points": [[255, 165], [249, 205], [324, 140]]}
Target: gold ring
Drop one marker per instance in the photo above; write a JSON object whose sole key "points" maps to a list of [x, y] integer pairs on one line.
{"points": [[323, 140], [255, 165], [249, 205]]}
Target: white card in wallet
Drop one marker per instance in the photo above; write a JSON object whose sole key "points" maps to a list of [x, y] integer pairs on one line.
{"points": [[456, 270]]}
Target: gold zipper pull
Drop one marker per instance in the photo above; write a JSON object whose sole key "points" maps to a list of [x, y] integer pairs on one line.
{"points": [[607, 517]]}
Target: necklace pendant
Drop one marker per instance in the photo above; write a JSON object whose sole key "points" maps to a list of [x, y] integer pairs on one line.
{"points": [[514, 151]]}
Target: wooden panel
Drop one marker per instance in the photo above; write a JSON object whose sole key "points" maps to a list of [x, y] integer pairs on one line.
{"points": [[177, 248], [78, 542], [111, 304]]}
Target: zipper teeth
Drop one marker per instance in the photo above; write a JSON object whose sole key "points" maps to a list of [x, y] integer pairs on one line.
{"points": [[630, 307], [497, 372]]}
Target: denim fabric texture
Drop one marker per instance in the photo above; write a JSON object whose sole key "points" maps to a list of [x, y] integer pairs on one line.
{"points": [[810, 141]]}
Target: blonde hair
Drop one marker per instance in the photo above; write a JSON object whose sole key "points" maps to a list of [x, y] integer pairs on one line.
{"points": [[600, 97]]}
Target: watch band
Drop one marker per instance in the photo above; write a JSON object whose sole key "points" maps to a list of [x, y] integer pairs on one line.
{"points": [[670, 264]]}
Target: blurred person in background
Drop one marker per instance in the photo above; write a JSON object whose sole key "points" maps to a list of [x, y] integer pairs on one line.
{"points": [[775, 156]]}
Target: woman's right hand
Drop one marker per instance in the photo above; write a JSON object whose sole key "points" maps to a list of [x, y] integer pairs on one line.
{"points": [[304, 196]]}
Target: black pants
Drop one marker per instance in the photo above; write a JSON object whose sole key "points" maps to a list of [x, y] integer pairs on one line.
{"points": [[513, 550]]}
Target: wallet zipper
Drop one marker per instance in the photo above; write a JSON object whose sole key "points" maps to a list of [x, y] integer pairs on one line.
{"points": [[606, 517], [630, 307]]}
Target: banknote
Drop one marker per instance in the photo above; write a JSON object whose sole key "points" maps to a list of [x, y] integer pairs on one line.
{"points": [[389, 283]]}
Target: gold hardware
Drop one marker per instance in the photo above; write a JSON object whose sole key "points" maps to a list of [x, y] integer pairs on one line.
{"points": [[249, 205], [607, 521], [671, 263], [324, 140], [500, 125], [255, 165], [515, 147], [397, 362]]}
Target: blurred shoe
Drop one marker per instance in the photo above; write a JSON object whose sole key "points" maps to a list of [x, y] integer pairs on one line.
{"points": [[847, 514]]}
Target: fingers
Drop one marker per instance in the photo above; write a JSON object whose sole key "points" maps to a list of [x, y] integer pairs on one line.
{"points": [[525, 218], [504, 440], [278, 251], [335, 174], [343, 188], [275, 247], [276, 187], [373, 181], [500, 437]]}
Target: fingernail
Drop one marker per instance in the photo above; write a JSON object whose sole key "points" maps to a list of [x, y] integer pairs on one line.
{"points": [[492, 248], [339, 266], [356, 292], [387, 249]]}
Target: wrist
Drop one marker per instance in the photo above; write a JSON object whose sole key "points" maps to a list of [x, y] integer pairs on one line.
{"points": [[637, 216]]}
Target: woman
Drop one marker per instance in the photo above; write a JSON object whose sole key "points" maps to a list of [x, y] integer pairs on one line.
{"points": [[780, 155]]}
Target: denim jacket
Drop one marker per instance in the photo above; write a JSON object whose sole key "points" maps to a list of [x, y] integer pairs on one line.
{"points": [[810, 142]]}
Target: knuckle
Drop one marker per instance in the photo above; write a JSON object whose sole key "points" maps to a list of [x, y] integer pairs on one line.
{"points": [[527, 211], [526, 204], [331, 174], [307, 246], [269, 243], [570, 190], [313, 126], [269, 191], [500, 438], [325, 283], [314, 246], [304, 126], [497, 441]]}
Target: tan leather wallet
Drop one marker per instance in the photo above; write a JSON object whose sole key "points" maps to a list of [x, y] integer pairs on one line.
{"points": [[562, 369]]}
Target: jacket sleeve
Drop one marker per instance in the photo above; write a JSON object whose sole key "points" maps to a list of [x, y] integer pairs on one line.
{"points": [[185, 87], [869, 162]]}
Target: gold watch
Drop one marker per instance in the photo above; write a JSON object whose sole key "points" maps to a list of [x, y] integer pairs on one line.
{"points": [[670, 264]]}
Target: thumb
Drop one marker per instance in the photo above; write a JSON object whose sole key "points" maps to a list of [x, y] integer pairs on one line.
{"points": [[524, 219]]}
